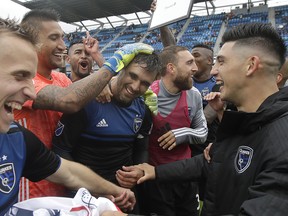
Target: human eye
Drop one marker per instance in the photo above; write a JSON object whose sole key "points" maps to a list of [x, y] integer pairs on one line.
{"points": [[54, 37], [133, 76], [77, 52], [190, 62], [220, 61], [21, 75], [195, 55], [145, 83]]}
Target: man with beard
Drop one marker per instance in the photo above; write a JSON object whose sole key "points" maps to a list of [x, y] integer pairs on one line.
{"points": [[179, 123], [247, 173], [21, 152], [55, 93], [81, 62], [107, 136]]}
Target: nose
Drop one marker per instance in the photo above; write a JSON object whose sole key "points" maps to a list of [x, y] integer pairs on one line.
{"points": [[84, 54], [194, 68], [29, 91], [136, 86], [214, 70], [61, 44]]}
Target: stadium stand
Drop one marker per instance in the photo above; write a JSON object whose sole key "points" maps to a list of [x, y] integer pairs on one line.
{"points": [[188, 32]]}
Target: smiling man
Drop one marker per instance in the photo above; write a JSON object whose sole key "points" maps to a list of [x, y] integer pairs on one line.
{"points": [[21, 152], [107, 136], [248, 172], [55, 92]]}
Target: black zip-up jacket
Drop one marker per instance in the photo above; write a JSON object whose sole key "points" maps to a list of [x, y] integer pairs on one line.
{"points": [[248, 173]]}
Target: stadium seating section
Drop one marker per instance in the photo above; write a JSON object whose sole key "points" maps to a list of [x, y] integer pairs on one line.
{"points": [[188, 32]]}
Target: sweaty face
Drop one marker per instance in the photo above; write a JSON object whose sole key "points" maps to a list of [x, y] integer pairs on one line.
{"points": [[132, 82], [80, 61], [18, 65], [52, 45], [185, 67], [203, 60]]}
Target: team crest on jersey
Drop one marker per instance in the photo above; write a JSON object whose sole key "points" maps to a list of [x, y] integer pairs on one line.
{"points": [[205, 91], [243, 158], [59, 128], [137, 124], [7, 177]]}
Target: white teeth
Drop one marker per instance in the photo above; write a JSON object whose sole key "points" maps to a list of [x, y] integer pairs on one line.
{"points": [[59, 55], [14, 105], [129, 91]]}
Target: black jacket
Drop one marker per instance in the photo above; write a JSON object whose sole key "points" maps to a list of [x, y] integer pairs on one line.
{"points": [[248, 174]]}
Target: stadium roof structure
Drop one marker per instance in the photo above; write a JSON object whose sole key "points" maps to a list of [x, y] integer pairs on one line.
{"points": [[94, 14]]}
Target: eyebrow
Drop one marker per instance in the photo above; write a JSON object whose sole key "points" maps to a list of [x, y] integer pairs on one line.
{"points": [[219, 57], [22, 71]]}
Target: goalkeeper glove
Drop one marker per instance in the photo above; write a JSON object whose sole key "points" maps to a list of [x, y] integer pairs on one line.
{"points": [[125, 55], [151, 101]]}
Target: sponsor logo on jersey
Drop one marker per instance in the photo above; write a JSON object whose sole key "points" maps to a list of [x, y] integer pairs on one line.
{"points": [[243, 158], [59, 129], [102, 123], [137, 124], [7, 177]]}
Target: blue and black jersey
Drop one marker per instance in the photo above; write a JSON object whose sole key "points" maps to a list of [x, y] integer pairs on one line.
{"points": [[104, 137], [22, 154]]}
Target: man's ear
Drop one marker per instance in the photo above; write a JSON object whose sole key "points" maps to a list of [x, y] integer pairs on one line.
{"points": [[68, 59], [279, 78], [170, 68], [253, 65], [210, 61]]}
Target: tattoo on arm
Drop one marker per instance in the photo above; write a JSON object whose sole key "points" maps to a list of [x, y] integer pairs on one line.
{"points": [[74, 97]]}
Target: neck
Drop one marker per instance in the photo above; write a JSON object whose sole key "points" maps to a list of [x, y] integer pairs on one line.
{"points": [[43, 71], [203, 77], [255, 99], [169, 86]]}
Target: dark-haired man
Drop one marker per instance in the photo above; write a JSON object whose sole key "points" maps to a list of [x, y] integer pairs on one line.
{"points": [[107, 136], [81, 62], [180, 122], [55, 93], [21, 152], [248, 172]]}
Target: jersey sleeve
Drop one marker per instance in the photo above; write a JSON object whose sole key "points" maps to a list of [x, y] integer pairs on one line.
{"points": [[198, 131], [67, 133], [183, 170], [40, 162]]}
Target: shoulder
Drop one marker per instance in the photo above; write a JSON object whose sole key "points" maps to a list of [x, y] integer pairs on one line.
{"points": [[61, 78], [194, 92], [194, 97]]}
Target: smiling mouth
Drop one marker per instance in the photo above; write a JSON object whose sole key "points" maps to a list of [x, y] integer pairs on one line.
{"points": [[10, 106], [59, 55]]}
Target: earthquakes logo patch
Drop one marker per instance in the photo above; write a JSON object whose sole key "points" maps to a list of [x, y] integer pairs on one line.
{"points": [[137, 124], [7, 177], [205, 91], [243, 158], [59, 129]]}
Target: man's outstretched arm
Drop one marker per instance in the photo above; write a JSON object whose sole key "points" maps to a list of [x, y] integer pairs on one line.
{"points": [[72, 98]]}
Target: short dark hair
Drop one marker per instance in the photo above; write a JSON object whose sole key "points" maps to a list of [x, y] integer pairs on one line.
{"points": [[75, 41], [258, 34], [152, 62], [169, 55], [201, 45], [34, 18], [10, 26]]}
